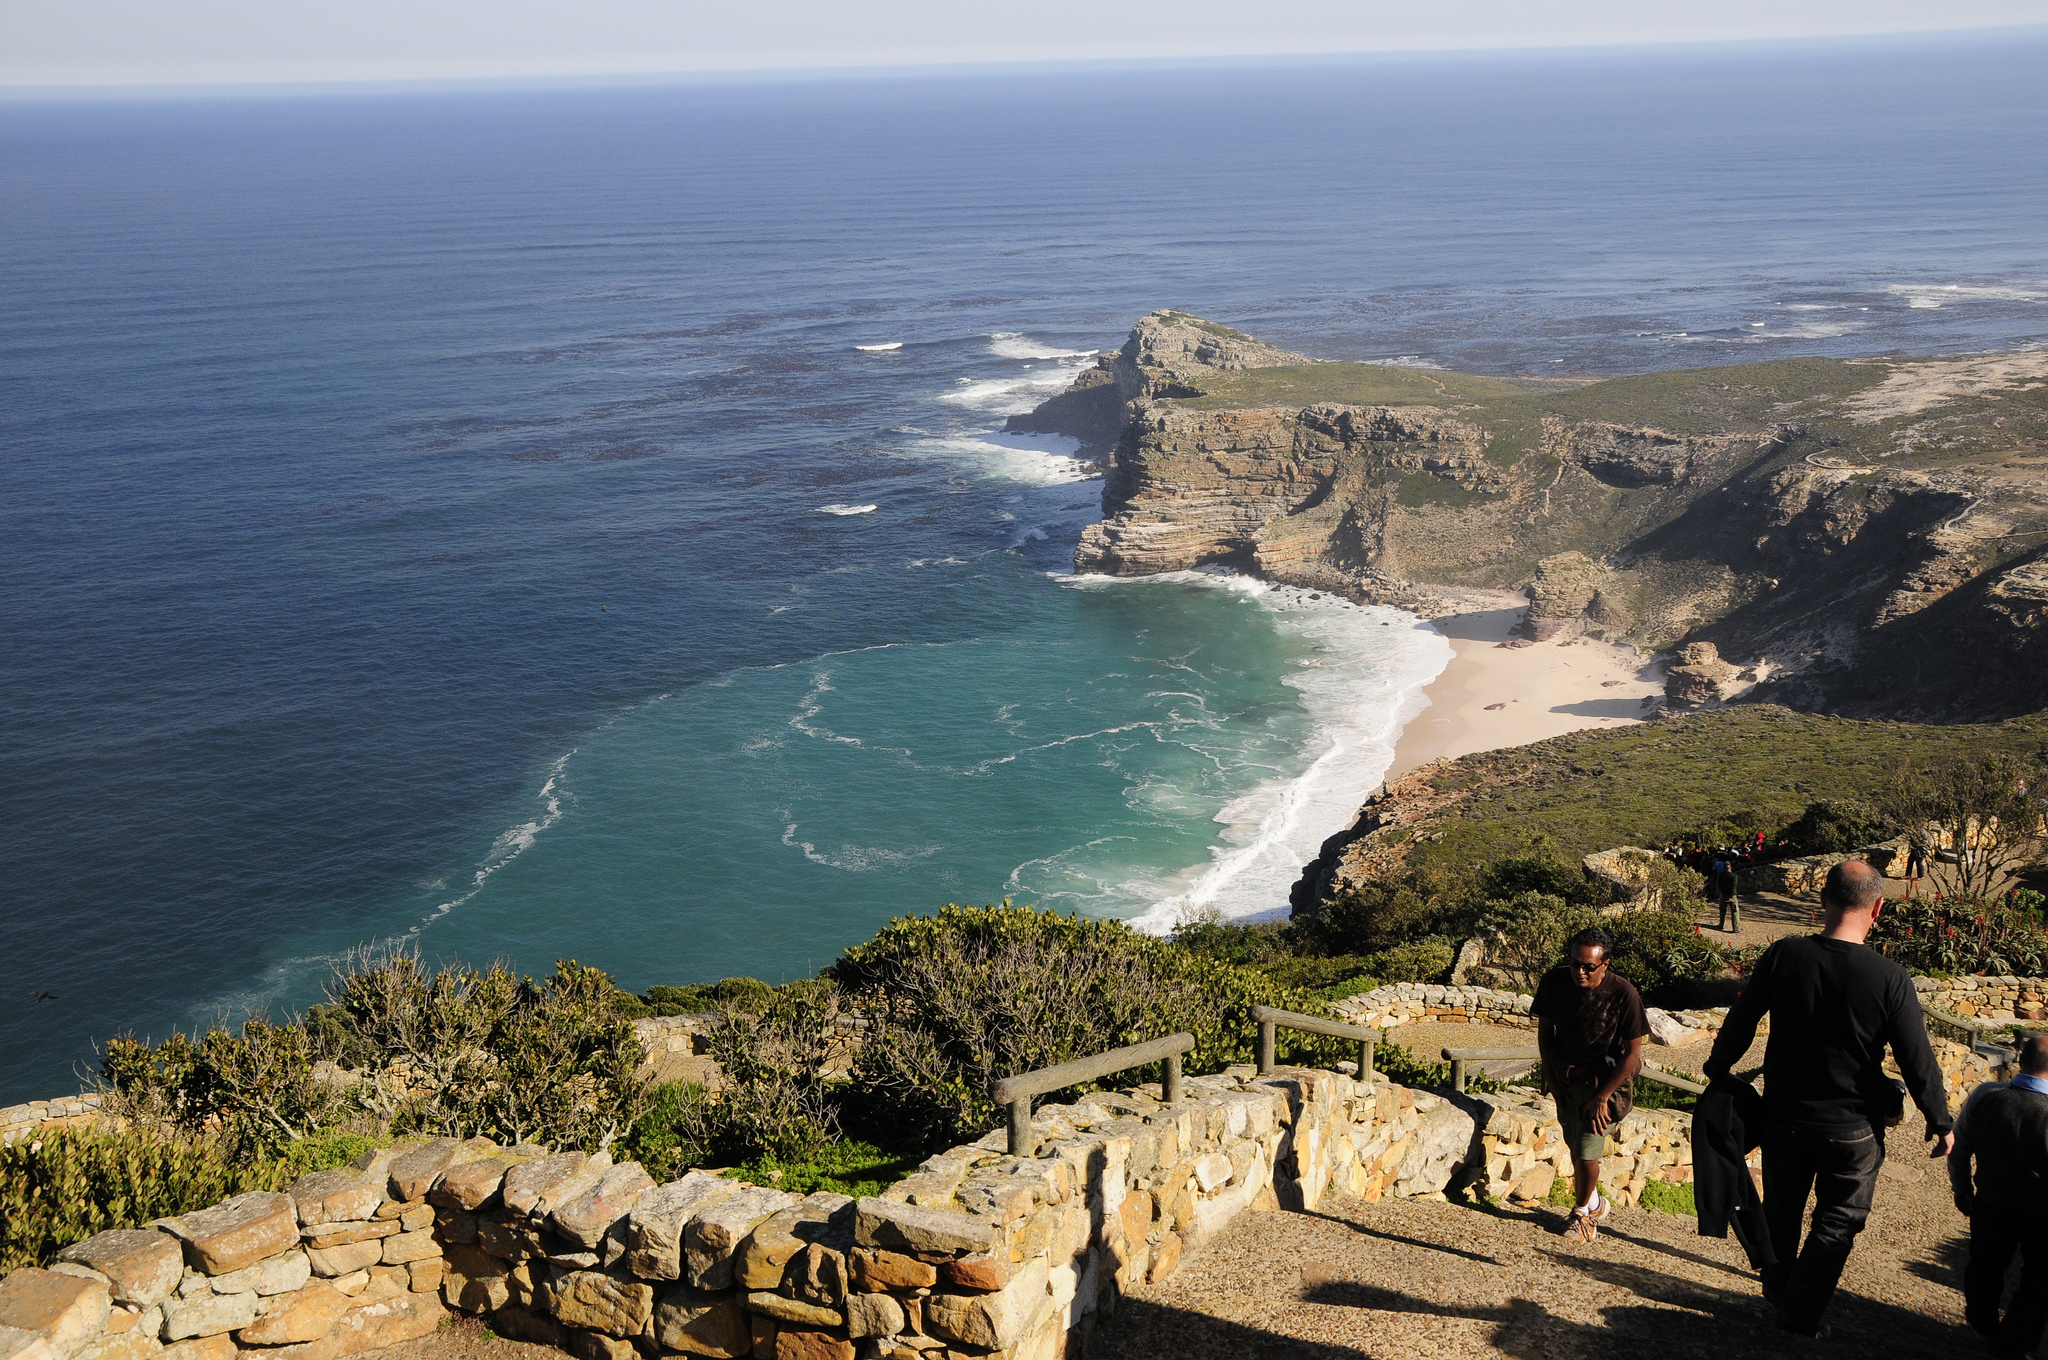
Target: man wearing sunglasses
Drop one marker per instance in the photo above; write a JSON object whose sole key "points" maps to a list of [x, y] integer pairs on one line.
{"points": [[1835, 1005], [1590, 1026]]}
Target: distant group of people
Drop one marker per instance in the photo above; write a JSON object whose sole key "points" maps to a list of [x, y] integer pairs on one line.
{"points": [[1722, 867], [1835, 1006]]}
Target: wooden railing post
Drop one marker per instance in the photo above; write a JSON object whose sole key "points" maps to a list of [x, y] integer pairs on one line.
{"points": [[1021, 1142], [1016, 1092], [1270, 1018]]}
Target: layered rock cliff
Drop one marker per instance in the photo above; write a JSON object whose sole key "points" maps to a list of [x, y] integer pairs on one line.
{"points": [[1872, 533]]}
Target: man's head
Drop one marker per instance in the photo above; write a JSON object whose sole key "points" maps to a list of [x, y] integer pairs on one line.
{"points": [[2034, 1055], [1852, 887], [1586, 955]]}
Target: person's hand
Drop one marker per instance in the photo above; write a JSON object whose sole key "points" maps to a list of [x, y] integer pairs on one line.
{"points": [[1942, 1147], [1595, 1114]]}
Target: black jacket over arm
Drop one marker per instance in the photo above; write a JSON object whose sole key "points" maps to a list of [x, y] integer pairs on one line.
{"points": [[1726, 1124], [1835, 1008]]}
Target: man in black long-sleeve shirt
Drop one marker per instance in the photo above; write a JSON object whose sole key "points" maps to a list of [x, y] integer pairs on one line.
{"points": [[1835, 1005]]}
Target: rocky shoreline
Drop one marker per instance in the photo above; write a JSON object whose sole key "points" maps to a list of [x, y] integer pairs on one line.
{"points": [[1813, 528]]}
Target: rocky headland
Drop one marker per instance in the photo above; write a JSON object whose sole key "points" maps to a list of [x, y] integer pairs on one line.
{"points": [[1865, 537]]}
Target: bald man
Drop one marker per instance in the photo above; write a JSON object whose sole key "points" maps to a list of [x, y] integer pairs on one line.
{"points": [[1835, 1005]]}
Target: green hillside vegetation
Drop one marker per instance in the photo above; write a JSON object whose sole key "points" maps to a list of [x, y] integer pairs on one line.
{"points": [[1687, 401], [1748, 767]]}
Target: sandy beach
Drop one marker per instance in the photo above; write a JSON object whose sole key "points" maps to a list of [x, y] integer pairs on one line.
{"points": [[1493, 695]]}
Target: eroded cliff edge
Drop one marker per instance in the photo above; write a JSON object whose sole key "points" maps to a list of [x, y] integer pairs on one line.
{"points": [[1873, 531]]}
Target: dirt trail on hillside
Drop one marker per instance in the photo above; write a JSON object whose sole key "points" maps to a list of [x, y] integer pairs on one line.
{"points": [[1419, 1279]]}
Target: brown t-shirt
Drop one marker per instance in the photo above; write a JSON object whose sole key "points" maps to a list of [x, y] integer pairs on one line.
{"points": [[1593, 1026]]}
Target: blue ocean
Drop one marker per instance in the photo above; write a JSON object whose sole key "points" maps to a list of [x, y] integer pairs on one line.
{"points": [[488, 518]]}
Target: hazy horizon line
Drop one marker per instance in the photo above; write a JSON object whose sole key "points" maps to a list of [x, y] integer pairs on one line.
{"points": [[19, 91]]}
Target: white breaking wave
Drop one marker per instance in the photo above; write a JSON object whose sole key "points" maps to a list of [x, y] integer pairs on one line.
{"points": [[854, 858], [1015, 393], [1025, 459], [510, 844], [880, 349], [1934, 296], [1011, 345], [1374, 662], [837, 509]]}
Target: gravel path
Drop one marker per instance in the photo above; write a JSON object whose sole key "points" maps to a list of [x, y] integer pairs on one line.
{"points": [[1428, 1280]]}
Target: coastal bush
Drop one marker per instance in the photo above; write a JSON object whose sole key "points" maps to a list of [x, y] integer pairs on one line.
{"points": [[1655, 950], [256, 1091], [674, 1130], [959, 999], [1953, 935], [696, 999], [452, 1051], [1425, 960], [1835, 826], [1669, 1198], [1659, 781], [65, 1185], [846, 1166], [1986, 810]]}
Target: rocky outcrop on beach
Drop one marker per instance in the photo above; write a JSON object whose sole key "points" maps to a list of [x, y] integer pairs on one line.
{"points": [[1699, 677], [1873, 534]]}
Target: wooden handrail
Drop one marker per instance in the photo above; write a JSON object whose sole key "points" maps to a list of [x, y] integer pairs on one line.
{"points": [[1016, 1091], [1272, 1017], [1458, 1057]]}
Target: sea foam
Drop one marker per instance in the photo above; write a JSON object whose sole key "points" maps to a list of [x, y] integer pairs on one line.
{"points": [[1362, 687]]}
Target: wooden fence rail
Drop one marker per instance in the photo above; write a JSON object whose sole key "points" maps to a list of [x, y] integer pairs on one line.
{"points": [[1458, 1057], [1016, 1092], [1271, 1018]]}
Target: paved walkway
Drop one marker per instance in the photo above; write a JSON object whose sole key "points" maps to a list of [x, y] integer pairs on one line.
{"points": [[1421, 1280]]}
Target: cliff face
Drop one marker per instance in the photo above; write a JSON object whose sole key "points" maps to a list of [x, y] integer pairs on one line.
{"points": [[1165, 356], [1869, 529]]}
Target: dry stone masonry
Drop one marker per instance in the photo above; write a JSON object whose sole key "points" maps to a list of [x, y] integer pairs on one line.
{"points": [[1989, 1000], [978, 1255]]}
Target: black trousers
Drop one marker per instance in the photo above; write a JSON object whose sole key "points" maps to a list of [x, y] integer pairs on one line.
{"points": [[1839, 1169], [1994, 1238]]}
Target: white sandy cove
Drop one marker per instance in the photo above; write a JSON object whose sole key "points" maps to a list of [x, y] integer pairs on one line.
{"points": [[1491, 696]]}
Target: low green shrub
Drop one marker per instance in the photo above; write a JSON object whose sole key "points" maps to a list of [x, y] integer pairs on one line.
{"points": [[961, 998], [448, 1051], [1835, 826], [1655, 950], [1952, 936], [66, 1185], [696, 999], [843, 1167], [1669, 1198], [673, 1132]]}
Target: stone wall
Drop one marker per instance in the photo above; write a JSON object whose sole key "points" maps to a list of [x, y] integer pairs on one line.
{"points": [[345, 1262], [1988, 1000], [977, 1254], [36, 1115], [1403, 1002]]}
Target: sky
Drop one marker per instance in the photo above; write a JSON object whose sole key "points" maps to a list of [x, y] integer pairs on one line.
{"points": [[205, 42]]}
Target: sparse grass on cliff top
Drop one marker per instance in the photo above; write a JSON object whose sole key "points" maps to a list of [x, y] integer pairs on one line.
{"points": [[1348, 384], [1648, 784]]}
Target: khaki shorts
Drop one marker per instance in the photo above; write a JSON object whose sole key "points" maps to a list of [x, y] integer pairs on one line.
{"points": [[1586, 1145]]}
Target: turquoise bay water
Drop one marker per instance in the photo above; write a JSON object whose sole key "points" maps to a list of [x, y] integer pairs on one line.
{"points": [[1077, 750], [469, 518]]}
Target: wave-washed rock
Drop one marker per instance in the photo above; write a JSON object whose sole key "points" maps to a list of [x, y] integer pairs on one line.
{"points": [[1832, 554]]}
